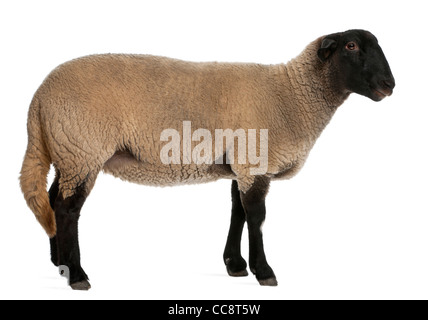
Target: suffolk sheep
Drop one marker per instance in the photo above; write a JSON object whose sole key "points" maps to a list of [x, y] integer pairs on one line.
{"points": [[164, 122]]}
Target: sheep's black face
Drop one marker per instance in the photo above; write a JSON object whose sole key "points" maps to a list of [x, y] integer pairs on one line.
{"points": [[359, 63]]}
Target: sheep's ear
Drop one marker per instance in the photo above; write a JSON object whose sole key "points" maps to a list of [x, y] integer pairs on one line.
{"points": [[328, 46]]}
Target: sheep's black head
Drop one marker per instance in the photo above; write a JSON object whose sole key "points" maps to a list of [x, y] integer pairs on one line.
{"points": [[359, 63]]}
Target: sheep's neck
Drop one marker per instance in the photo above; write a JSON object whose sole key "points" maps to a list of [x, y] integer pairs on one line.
{"points": [[307, 96]]}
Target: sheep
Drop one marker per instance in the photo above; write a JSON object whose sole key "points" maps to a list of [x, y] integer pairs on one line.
{"points": [[110, 112]]}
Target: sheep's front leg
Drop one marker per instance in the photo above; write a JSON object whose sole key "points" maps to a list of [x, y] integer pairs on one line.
{"points": [[253, 202], [235, 264]]}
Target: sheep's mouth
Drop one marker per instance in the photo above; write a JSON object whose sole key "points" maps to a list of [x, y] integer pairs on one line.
{"points": [[381, 93]]}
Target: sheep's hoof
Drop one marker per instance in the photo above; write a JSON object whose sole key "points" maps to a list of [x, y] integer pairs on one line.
{"points": [[81, 285], [271, 282], [236, 267], [242, 273]]}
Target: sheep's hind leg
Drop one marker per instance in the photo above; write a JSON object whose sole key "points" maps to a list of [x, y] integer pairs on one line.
{"points": [[253, 202], [235, 264], [67, 212], [53, 194]]}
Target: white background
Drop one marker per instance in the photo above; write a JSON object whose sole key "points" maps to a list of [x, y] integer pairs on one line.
{"points": [[352, 225]]}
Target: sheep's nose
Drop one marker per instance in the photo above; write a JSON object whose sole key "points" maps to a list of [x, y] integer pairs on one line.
{"points": [[389, 83], [386, 86]]}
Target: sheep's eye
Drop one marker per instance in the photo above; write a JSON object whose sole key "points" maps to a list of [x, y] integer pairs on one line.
{"points": [[351, 46]]}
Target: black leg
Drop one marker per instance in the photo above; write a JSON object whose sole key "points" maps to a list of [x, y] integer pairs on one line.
{"points": [[53, 194], [253, 202], [67, 212], [235, 264]]}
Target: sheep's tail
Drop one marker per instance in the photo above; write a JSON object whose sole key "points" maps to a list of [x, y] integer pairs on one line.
{"points": [[35, 169]]}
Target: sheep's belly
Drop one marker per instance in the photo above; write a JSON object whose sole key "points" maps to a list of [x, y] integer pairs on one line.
{"points": [[126, 167]]}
